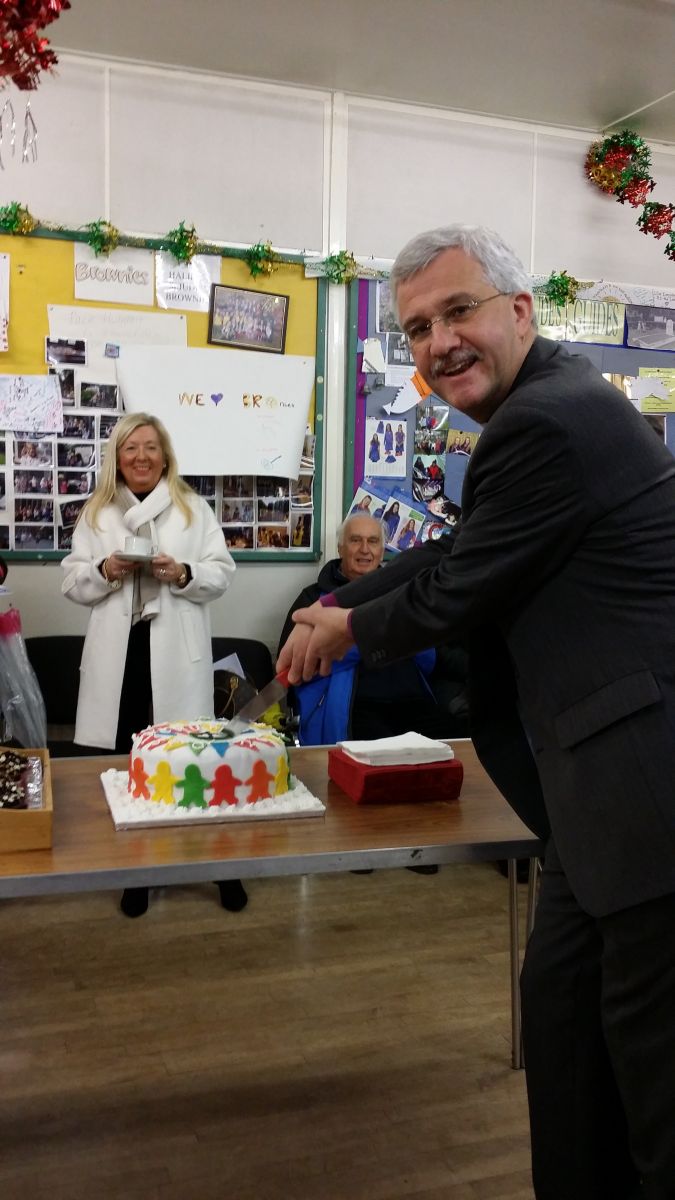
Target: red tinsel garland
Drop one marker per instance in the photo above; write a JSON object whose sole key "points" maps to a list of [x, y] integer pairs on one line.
{"points": [[23, 52]]}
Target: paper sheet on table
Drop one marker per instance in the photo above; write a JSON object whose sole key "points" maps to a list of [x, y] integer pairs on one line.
{"points": [[405, 749]]}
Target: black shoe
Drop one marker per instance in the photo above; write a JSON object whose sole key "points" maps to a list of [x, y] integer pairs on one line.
{"points": [[431, 869], [232, 895], [134, 901]]}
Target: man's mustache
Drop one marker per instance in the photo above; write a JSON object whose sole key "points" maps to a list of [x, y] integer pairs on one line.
{"points": [[450, 362]]}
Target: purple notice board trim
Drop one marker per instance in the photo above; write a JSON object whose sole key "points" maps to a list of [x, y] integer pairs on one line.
{"points": [[360, 397]]}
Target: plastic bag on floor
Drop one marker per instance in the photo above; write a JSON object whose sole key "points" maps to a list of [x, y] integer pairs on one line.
{"points": [[21, 700]]}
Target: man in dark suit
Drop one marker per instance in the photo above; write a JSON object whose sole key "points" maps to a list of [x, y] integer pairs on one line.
{"points": [[563, 579]]}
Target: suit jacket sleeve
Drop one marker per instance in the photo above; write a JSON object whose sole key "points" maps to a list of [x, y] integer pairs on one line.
{"points": [[526, 507]]}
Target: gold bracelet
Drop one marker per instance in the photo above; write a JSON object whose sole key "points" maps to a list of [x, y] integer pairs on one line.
{"points": [[113, 584], [182, 578]]}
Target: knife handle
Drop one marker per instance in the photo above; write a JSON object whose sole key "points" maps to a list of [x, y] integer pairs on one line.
{"points": [[282, 678]]}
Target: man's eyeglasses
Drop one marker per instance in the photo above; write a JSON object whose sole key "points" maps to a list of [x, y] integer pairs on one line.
{"points": [[456, 314]]}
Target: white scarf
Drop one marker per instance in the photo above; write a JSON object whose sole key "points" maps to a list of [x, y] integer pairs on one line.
{"points": [[139, 517]]}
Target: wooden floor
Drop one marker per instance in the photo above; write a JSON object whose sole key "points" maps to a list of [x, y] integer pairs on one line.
{"points": [[346, 1037]]}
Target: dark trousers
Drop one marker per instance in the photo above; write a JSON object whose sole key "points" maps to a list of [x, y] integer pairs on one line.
{"points": [[136, 699], [599, 1039]]}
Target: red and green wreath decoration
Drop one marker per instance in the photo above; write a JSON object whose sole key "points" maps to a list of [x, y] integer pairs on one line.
{"points": [[620, 167], [24, 52]]}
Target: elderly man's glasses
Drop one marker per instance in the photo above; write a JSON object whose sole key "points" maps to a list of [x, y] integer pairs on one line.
{"points": [[455, 314]]}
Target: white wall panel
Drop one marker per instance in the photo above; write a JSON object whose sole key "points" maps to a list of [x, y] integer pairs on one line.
{"points": [[591, 235], [242, 164], [408, 172], [66, 183]]}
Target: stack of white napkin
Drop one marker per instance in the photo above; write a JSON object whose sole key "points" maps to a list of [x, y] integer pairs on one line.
{"points": [[405, 750]]}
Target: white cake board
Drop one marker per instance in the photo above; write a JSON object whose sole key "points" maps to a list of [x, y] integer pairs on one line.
{"points": [[151, 814]]}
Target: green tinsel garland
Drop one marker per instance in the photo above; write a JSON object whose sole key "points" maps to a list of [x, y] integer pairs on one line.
{"points": [[341, 267], [560, 288], [15, 218], [182, 242], [261, 259], [102, 237]]}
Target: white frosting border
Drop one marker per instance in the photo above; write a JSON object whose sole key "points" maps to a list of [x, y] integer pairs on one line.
{"points": [[128, 813]]}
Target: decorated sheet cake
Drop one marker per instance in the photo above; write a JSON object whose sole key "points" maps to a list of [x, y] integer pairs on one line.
{"points": [[195, 771]]}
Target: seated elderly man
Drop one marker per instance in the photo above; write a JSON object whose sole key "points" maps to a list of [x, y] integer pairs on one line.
{"points": [[355, 701]]}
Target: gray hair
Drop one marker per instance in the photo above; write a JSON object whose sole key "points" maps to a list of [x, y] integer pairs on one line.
{"points": [[501, 266], [343, 530]]}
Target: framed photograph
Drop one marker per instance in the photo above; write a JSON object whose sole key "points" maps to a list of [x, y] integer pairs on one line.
{"points": [[247, 319]]}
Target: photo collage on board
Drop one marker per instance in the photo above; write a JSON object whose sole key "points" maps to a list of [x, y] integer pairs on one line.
{"points": [[47, 478], [415, 447], [401, 518], [266, 513]]}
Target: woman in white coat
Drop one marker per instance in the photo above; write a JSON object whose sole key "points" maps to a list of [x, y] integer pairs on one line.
{"points": [[147, 653]]}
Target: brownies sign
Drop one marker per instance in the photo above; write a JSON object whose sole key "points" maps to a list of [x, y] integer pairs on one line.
{"points": [[124, 277]]}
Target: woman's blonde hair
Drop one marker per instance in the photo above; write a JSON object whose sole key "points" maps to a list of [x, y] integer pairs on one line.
{"points": [[110, 478]]}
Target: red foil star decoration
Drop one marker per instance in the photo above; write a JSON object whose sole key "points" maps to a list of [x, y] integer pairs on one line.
{"points": [[636, 192], [617, 158], [23, 52], [656, 219]]}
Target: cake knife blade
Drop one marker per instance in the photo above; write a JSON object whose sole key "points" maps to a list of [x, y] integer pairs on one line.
{"points": [[273, 691]]}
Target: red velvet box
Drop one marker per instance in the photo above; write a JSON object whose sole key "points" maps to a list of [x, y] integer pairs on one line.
{"points": [[395, 785]]}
